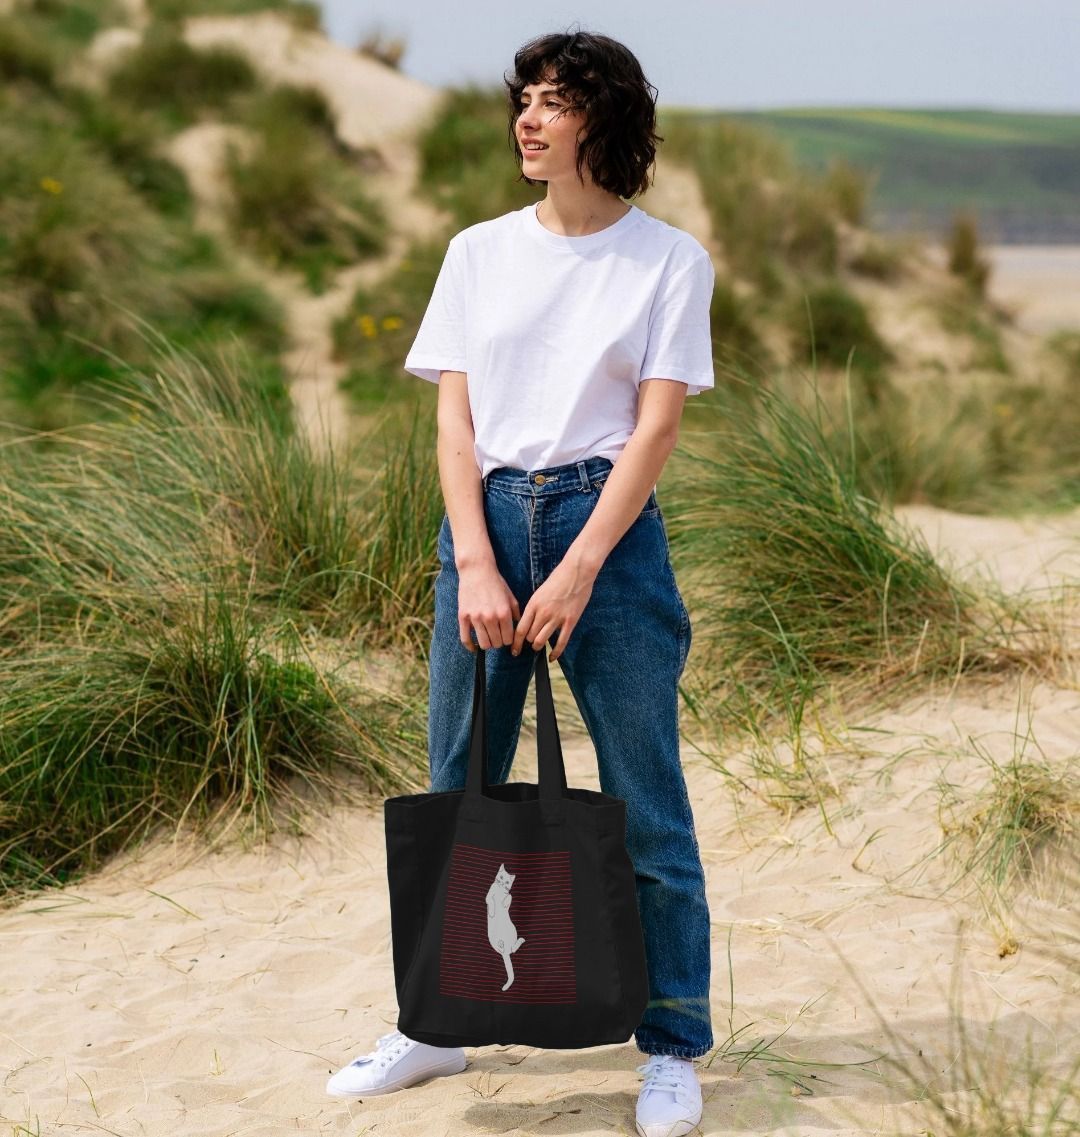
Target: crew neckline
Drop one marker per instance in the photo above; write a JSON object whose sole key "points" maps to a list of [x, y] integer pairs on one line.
{"points": [[584, 242]]}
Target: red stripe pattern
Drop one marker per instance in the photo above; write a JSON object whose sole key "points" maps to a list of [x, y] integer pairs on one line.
{"points": [[509, 942]]}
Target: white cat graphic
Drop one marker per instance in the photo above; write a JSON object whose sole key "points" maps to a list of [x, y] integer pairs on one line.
{"points": [[502, 935]]}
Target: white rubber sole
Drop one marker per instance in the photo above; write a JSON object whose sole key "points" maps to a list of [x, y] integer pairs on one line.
{"points": [[676, 1129]]}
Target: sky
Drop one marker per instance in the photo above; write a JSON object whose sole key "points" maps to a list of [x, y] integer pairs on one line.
{"points": [[756, 54]]}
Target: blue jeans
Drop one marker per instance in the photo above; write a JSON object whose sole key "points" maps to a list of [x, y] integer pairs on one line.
{"points": [[622, 663]]}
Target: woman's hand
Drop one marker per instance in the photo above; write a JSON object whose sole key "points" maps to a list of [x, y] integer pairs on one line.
{"points": [[556, 605], [487, 606]]}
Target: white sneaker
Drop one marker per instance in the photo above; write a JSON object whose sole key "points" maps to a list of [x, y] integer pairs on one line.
{"points": [[395, 1063], [669, 1103]]}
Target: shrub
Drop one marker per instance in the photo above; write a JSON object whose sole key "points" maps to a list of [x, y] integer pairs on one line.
{"points": [[373, 335], [304, 14], [763, 212], [24, 57], [810, 241], [131, 141], [735, 335], [293, 204], [829, 324], [962, 314], [387, 50], [166, 72], [84, 258], [965, 258], [878, 259], [847, 188]]}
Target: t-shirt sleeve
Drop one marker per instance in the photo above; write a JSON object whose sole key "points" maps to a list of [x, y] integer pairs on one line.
{"points": [[680, 335], [440, 340]]}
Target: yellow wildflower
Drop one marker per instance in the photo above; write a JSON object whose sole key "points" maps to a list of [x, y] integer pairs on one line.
{"points": [[389, 323], [51, 185]]}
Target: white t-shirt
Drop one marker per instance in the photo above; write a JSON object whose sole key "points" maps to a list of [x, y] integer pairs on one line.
{"points": [[555, 333]]}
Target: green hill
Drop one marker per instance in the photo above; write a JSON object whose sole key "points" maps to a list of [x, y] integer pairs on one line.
{"points": [[1019, 172]]}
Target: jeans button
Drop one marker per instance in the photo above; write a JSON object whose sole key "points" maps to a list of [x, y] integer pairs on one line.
{"points": [[539, 479]]}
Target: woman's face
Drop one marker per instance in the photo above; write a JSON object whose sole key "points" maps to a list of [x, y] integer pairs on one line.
{"points": [[547, 117]]}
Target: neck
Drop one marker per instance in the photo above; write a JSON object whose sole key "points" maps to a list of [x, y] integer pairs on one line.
{"points": [[580, 213]]}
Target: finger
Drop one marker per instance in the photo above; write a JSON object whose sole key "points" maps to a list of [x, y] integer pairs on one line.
{"points": [[543, 635], [560, 644], [465, 633], [522, 631], [507, 628]]}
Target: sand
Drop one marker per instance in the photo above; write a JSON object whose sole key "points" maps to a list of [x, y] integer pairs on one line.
{"points": [[1038, 285], [182, 992]]}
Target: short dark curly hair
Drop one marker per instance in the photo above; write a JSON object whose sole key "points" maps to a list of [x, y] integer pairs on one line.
{"points": [[603, 77]]}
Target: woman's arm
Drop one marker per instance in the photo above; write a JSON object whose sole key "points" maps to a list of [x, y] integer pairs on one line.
{"points": [[560, 600], [459, 476], [485, 601], [660, 406]]}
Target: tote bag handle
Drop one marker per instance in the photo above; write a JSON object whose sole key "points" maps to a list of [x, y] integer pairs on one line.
{"points": [[550, 765]]}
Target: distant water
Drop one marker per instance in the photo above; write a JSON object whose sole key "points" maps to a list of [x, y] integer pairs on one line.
{"points": [[1001, 226]]}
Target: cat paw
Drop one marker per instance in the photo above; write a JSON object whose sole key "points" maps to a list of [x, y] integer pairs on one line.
{"points": [[520, 941]]}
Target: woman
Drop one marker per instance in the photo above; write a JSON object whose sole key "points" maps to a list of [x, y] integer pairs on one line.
{"points": [[565, 337]]}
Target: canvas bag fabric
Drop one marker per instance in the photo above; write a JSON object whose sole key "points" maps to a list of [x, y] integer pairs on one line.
{"points": [[514, 912]]}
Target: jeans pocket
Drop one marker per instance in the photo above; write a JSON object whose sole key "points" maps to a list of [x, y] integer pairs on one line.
{"points": [[444, 548], [651, 508]]}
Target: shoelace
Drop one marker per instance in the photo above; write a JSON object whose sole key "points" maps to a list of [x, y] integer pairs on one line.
{"points": [[382, 1047], [661, 1073]]}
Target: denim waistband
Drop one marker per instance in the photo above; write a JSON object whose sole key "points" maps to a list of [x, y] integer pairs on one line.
{"points": [[572, 476]]}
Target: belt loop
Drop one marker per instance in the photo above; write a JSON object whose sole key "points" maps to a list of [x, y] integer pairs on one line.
{"points": [[583, 474]]}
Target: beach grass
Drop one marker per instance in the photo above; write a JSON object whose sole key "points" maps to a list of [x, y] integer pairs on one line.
{"points": [[170, 577], [294, 200], [1023, 811], [768, 220], [99, 234], [166, 73], [811, 583]]}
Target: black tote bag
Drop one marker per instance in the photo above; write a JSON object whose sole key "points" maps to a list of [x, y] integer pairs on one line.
{"points": [[513, 907]]}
